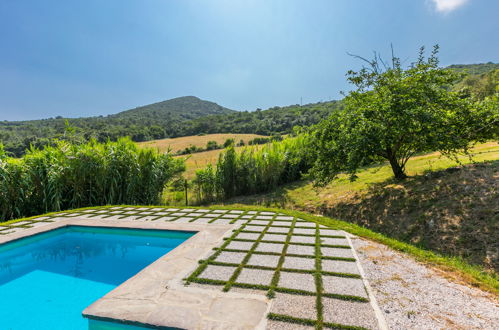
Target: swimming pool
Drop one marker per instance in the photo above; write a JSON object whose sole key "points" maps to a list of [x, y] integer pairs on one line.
{"points": [[46, 280]]}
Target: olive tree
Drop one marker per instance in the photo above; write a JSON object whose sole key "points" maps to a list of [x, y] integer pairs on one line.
{"points": [[395, 113]]}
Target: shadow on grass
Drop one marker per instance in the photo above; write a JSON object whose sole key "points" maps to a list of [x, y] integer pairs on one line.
{"points": [[453, 211]]}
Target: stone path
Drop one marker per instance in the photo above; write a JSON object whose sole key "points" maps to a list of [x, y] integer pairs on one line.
{"points": [[310, 271]]}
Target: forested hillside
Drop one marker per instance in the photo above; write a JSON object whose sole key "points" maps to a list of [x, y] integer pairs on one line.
{"points": [[189, 115], [173, 118]]}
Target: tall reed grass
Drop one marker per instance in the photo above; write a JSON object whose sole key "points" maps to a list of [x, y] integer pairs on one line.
{"points": [[66, 176], [254, 170]]}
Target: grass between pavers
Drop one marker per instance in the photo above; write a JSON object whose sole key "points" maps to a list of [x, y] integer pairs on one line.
{"points": [[454, 267], [239, 268]]}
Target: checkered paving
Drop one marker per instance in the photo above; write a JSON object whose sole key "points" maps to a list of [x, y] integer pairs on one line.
{"points": [[294, 261]]}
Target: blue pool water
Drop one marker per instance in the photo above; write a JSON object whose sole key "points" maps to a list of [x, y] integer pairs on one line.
{"points": [[47, 280]]}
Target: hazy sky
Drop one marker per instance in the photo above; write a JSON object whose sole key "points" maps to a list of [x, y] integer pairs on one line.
{"points": [[93, 57]]}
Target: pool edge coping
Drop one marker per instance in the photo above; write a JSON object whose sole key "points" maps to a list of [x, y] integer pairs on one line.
{"points": [[157, 296]]}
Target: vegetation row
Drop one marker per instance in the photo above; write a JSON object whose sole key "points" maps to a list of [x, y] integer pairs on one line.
{"points": [[66, 176]]}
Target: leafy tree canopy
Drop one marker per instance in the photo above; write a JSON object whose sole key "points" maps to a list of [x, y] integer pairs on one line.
{"points": [[395, 113]]}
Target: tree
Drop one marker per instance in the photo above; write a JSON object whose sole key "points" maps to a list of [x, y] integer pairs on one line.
{"points": [[395, 113]]}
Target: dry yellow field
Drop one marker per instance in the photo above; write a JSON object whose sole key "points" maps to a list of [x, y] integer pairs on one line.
{"points": [[181, 143]]}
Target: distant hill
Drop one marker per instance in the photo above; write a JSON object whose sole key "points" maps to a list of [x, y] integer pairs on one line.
{"points": [[186, 107], [153, 121], [481, 80], [475, 68]]}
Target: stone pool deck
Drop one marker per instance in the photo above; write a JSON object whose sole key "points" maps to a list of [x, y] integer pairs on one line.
{"points": [[243, 269]]}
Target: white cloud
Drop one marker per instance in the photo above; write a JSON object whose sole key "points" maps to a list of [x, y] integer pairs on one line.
{"points": [[445, 6]]}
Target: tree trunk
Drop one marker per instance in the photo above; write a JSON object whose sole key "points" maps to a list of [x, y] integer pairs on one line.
{"points": [[398, 171]]}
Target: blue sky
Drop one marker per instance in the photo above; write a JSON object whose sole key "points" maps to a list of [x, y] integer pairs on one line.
{"points": [[93, 57]]}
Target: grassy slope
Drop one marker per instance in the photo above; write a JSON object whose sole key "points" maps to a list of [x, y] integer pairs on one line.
{"points": [[451, 212]]}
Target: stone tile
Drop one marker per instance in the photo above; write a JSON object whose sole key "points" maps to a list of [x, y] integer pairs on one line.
{"points": [[240, 221], [259, 222], [269, 247], [282, 223], [113, 217], [301, 249], [255, 276], [350, 313], [211, 215], [252, 212], [303, 239], [231, 257], [230, 216], [247, 216], [251, 236], [278, 230], [274, 237], [33, 225], [222, 221], [254, 228], [167, 218], [331, 232], [344, 285], [263, 217], [202, 210], [21, 223], [334, 241], [263, 260], [305, 224], [236, 212], [195, 215], [267, 213], [222, 273], [188, 210], [294, 305], [297, 281], [338, 266], [309, 231], [202, 220], [183, 220], [336, 252], [178, 214], [299, 263], [236, 245], [219, 211], [280, 217], [172, 210], [149, 218]]}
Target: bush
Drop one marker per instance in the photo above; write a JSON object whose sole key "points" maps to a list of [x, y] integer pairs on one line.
{"points": [[66, 176]]}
